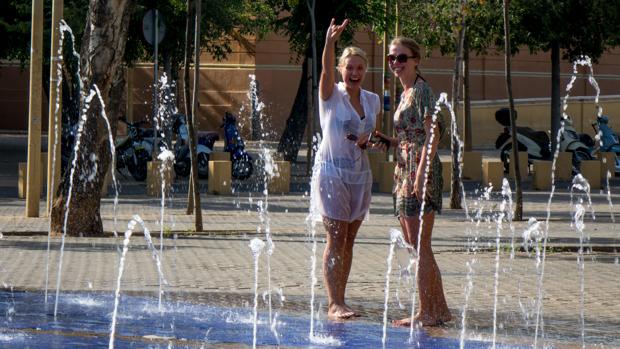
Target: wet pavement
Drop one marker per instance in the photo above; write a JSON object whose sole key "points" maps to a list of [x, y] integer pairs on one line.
{"points": [[216, 266]]}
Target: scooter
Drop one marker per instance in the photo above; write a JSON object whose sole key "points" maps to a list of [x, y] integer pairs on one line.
{"points": [[536, 143], [242, 166], [134, 150], [609, 141], [580, 144], [204, 147]]}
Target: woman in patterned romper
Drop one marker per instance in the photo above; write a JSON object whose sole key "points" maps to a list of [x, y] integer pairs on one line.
{"points": [[417, 141]]}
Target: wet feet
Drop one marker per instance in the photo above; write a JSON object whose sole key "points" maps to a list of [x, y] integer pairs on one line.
{"points": [[340, 312], [423, 320]]}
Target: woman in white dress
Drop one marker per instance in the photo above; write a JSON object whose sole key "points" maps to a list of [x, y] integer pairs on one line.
{"points": [[342, 180]]}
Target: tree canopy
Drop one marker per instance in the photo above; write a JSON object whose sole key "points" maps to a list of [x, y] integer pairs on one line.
{"points": [[295, 22]]}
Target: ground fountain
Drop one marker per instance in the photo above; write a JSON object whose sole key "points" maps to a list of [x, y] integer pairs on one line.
{"points": [[116, 315]]}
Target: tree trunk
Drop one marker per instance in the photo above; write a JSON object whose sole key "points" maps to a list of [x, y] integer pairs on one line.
{"points": [[455, 190], [103, 47], [466, 97], [191, 122], [556, 101], [186, 94], [518, 213], [293, 134]]}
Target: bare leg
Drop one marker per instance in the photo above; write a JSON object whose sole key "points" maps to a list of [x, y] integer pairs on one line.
{"points": [[333, 268], [353, 227], [433, 308]]}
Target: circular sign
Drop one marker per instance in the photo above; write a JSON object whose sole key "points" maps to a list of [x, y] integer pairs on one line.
{"points": [[148, 25]]}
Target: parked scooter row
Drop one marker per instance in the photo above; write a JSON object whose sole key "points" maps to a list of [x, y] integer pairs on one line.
{"points": [[204, 146], [135, 150], [537, 143], [608, 139]]}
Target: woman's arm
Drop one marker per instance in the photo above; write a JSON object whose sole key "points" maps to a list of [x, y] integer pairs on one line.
{"points": [[326, 84], [431, 143]]}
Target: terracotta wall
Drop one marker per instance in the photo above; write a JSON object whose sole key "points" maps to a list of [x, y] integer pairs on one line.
{"points": [[224, 85]]}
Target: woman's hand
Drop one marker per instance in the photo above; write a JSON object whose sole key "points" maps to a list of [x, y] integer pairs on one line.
{"points": [[418, 185], [362, 141], [334, 30], [326, 83], [384, 142]]}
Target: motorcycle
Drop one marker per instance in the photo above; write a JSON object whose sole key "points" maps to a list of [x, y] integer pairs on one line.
{"points": [[609, 141], [242, 166], [204, 147], [134, 150], [580, 144], [536, 143]]}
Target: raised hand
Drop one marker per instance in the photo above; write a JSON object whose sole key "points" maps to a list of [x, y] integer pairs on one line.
{"points": [[334, 30]]}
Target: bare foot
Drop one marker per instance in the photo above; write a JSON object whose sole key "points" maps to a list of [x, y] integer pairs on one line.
{"points": [[423, 320], [355, 314], [340, 312]]}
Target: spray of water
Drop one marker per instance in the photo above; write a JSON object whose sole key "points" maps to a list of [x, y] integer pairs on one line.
{"points": [[136, 220], [581, 185], [396, 239], [121, 268], [473, 237], [270, 171], [541, 275], [256, 245], [500, 216], [63, 27]]}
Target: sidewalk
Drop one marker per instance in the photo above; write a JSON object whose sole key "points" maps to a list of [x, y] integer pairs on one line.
{"points": [[216, 265]]}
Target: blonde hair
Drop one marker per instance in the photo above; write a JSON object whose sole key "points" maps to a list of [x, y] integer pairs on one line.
{"points": [[352, 51], [409, 43]]}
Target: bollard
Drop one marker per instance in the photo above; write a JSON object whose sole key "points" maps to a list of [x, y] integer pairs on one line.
{"points": [[219, 156], [22, 172], [446, 173], [564, 166], [386, 176], [608, 163], [376, 159], [153, 178], [492, 173], [523, 165], [220, 177], [542, 175], [281, 182], [472, 165], [591, 170]]}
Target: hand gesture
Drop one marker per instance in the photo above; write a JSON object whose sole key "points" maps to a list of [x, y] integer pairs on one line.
{"points": [[334, 30], [418, 186], [381, 141], [362, 141]]}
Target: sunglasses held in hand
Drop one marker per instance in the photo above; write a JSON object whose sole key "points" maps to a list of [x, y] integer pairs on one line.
{"points": [[401, 58]]}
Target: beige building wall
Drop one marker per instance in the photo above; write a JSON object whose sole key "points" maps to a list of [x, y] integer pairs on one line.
{"points": [[224, 87]]}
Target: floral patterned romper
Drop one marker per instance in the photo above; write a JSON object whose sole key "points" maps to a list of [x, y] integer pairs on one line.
{"points": [[417, 103]]}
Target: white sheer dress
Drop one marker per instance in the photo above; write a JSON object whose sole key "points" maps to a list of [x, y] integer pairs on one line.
{"points": [[341, 178]]}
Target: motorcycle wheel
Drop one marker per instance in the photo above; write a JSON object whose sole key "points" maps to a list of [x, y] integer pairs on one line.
{"points": [[504, 155], [242, 167], [137, 166], [578, 157], [203, 165], [182, 167]]}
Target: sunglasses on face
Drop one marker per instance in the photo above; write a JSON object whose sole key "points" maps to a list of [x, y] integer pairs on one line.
{"points": [[401, 58]]}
